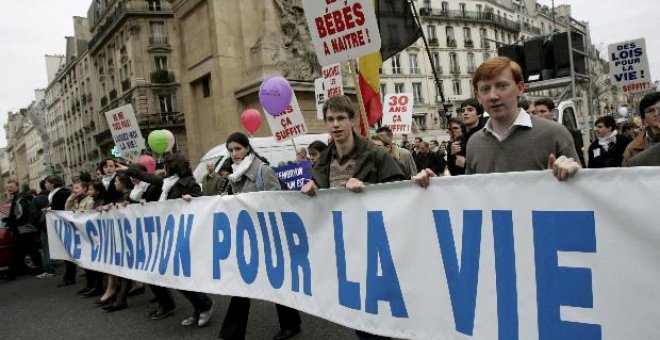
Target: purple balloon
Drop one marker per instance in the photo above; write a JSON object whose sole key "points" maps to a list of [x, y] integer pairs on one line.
{"points": [[275, 95]]}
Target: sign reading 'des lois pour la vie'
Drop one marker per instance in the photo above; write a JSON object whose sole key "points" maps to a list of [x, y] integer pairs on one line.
{"points": [[629, 66]]}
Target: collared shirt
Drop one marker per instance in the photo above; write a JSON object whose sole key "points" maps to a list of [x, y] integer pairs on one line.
{"points": [[341, 168], [523, 119]]}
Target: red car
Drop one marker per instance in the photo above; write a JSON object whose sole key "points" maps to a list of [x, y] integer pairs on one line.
{"points": [[6, 238]]}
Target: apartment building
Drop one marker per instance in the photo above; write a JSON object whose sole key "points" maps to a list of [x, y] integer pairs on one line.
{"points": [[132, 60]]}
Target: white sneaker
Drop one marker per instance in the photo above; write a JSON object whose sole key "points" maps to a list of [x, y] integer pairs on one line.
{"points": [[45, 275], [205, 316], [189, 321]]}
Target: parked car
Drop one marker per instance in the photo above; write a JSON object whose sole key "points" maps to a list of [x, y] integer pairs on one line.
{"points": [[6, 238]]}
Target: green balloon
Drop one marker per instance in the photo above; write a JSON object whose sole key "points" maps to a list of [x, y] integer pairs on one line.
{"points": [[158, 141]]}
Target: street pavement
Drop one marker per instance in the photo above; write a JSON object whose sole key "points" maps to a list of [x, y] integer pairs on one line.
{"points": [[31, 308]]}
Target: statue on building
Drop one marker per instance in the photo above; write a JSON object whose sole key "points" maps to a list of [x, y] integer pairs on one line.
{"points": [[297, 58]]}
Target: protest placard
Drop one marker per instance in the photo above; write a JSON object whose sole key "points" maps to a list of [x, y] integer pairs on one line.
{"points": [[125, 130], [288, 123], [294, 175], [629, 66], [397, 112], [332, 80], [469, 257], [320, 96], [342, 30]]}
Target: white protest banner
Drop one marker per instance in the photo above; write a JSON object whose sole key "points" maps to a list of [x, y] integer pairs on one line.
{"points": [[478, 257], [342, 30], [320, 95], [125, 130], [629, 66], [332, 80], [288, 123], [397, 112]]}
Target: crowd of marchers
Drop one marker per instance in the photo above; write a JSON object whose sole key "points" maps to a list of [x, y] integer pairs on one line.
{"points": [[515, 136]]}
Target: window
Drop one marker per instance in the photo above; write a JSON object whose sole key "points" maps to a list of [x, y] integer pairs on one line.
{"points": [[456, 84], [483, 35], [396, 64], [160, 63], [467, 35], [431, 33], [496, 36], [383, 90], [453, 63], [206, 87], [157, 28], [479, 11], [165, 103], [417, 93], [508, 38], [154, 5], [451, 40], [399, 88], [438, 91], [414, 66], [471, 63], [435, 59], [461, 6], [445, 7], [486, 56]]}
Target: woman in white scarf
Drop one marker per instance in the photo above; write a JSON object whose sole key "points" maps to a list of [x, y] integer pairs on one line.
{"points": [[245, 178]]}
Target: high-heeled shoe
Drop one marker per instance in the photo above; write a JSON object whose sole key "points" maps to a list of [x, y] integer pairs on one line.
{"points": [[106, 302], [115, 308], [136, 291]]}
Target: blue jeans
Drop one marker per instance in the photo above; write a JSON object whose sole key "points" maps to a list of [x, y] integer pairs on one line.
{"points": [[45, 253]]}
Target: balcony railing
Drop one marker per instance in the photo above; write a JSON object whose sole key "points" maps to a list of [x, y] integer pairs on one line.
{"points": [[160, 120], [438, 70], [418, 101], [414, 70], [469, 43], [455, 70], [159, 42], [162, 77], [113, 94], [472, 69], [471, 16], [485, 44], [433, 41]]}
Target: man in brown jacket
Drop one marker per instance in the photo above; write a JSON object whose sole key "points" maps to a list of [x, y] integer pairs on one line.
{"points": [[649, 110]]}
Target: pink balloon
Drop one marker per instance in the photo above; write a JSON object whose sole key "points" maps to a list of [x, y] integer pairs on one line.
{"points": [[148, 162], [275, 95], [170, 140], [251, 120]]}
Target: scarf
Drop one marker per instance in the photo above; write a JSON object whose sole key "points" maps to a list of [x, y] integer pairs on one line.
{"points": [[52, 194], [107, 179], [168, 183], [241, 168], [138, 191], [607, 141]]}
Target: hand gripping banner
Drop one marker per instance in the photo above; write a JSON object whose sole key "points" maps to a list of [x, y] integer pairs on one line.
{"points": [[506, 256]]}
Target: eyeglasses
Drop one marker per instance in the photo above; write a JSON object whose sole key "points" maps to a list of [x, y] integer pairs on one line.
{"points": [[338, 119], [653, 111]]}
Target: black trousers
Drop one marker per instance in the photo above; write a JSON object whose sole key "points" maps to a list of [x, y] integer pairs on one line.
{"points": [[200, 301], [235, 324], [70, 270], [164, 296], [94, 280], [25, 244]]}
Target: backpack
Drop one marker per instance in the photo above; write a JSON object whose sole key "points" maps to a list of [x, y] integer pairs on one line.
{"points": [[259, 180]]}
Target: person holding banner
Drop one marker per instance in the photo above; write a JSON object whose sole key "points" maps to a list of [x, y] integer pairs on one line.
{"points": [[511, 139], [179, 183], [350, 161], [251, 173], [649, 110]]}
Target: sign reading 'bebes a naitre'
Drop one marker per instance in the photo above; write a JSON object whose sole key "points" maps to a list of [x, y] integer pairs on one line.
{"points": [[342, 29]]}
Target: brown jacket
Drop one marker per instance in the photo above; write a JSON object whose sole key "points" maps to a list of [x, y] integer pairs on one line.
{"points": [[639, 144]]}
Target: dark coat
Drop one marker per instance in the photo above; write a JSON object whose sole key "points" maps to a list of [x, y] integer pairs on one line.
{"points": [[19, 212], [431, 160], [111, 195], [59, 199], [373, 165], [37, 216], [186, 185], [610, 158]]}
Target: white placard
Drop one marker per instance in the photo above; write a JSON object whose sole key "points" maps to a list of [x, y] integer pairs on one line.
{"points": [[342, 30], [288, 123], [320, 96], [397, 112], [332, 81], [629, 66], [125, 130]]}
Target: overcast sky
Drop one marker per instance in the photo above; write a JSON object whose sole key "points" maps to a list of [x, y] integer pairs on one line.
{"points": [[30, 29]]}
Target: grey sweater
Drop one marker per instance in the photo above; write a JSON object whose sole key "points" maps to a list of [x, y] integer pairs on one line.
{"points": [[524, 149]]}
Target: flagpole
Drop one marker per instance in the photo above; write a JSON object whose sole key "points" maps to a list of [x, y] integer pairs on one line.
{"points": [[356, 81], [428, 53]]}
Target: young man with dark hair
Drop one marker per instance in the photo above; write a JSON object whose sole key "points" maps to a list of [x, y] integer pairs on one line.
{"points": [[38, 219], [607, 150], [350, 161], [405, 157], [544, 108], [57, 197], [512, 140], [472, 113], [649, 110]]}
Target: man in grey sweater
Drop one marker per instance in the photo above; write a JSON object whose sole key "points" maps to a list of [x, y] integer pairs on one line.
{"points": [[512, 140]]}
